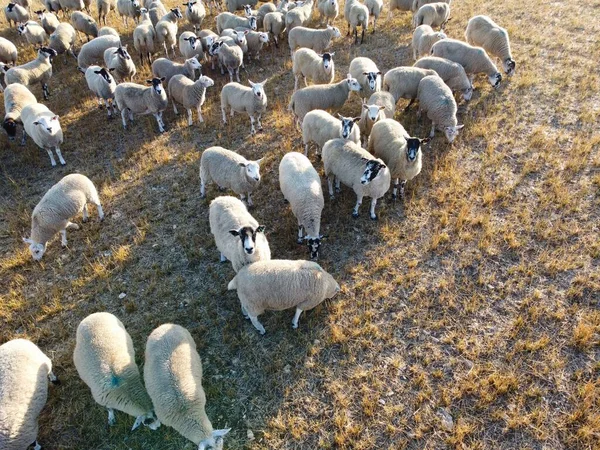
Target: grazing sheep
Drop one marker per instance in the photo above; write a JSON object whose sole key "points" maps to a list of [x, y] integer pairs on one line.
{"points": [[144, 36], [367, 74], [190, 94], [474, 59], [375, 7], [484, 32], [436, 99], [104, 7], [62, 41], [322, 96], [24, 374], [164, 68], [173, 377], [34, 33], [274, 23], [228, 20], [108, 31], [356, 14], [256, 40], [234, 5], [8, 52], [49, 21], [309, 65], [129, 9], [62, 202], [84, 24], [381, 105], [15, 13], [190, 46], [230, 57], [403, 82], [16, 97], [139, 99], [432, 14], [37, 71], [299, 16], [251, 100], [281, 284], [317, 40], [452, 73], [418, 3], [156, 11], [195, 13], [93, 52], [43, 127], [356, 168], [102, 85], [402, 153], [319, 127], [328, 10], [118, 61], [71, 5], [166, 30], [423, 39]]}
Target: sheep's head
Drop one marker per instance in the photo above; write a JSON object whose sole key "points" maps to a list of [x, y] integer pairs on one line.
{"points": [[40, 13], [215, 47], [11, 128], [193, 41], [353, 83], [252, 23], [189, 5], [468, 93], [327, 61], [47, 52], [194, 63], [258, 89], [495, 79], [332, 286], [373, 112], [248, 10], [21, 28], [374, 168], [240, 37], [10, 6], [509, 66], [149, 420], [413, 147], [263, 37], [314, 245], [452, 132], [104, 74], [205, 81], [372, 79], [177, 12], [157, 84], [123, 53], [440, 35], [248, 237], [136, 4], [347, 125], [50, 125], [336, 30], [252, 170], [36, 249], [214, 442]]}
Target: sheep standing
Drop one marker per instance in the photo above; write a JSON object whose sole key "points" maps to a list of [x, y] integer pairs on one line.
{"points": [[301, 187], [375, 7], [190, 94], [16, 97], [190, 46], [195, 13], [233, 5], [256, 40], [381, 105], [52, 5], [436, 99], [423, 39], [309, 65], [43, 127], [358, 169], [166, 30], [173, 377], [49, 21], [93, 52], [37, 71], [329, 10], [281, 284], [164, 68], [33, 32], [432, 14], [403, 82], [484, 32], [367, 74], [52, 214], [128, 9], [228, 20], [452, 73], [139, 99], [251, 100], [319, 127], [230, 56], [102, 85], [274, 24], [24, 374], [144, 36], [15, 13], [104, 7], [317, 40], [299, 16], [8, 52], [156, 11], [356, 14], [62, 41], [118, 61], [84, 24]]}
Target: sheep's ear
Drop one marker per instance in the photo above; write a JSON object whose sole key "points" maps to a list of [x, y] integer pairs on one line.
{"points": [[381, 108], [458, 127], [95, 71], [138, 421], [162, 79], [426, 140], [258, 161], [186, 39], [251, 83], [148, 81], [260, 229], [365, 73], [242, 164], [28, 241], [339, 115], [356, 119], [332, 53], [112, 69], [246, 32], [262, 83], [220, 433], [54, 118], [383, 166], [379, 73], [234, 233], [349, 76], [364, 159], [365, 106]]}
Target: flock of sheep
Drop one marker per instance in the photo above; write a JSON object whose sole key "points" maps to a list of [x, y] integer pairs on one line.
{"points": [[365, 153]]}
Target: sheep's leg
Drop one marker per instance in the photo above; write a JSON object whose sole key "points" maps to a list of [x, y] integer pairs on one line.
{"points": [[202, 188], [337, 185], [24, 138], [100, 211], [330, 184], [36, 446], [415, 54], [237, 74], [362, 36], [296, 317], [358, 203], [471, 77], [224, 115], [160, 126], [250, 203], [85, 213], [296, 83], [402, 188], [190, 122], [355, 34], [300, 238], [373, 204], [257, 324], [306, 150], [175, 108], [260, 127], [52, 160], [374, 21], [348, 33], [46, 91], [305, 82], [223, 259], [252, 129], [63, 237], [245, 312], [199, 110], [123, 116], [432, 134], [111, 416], [165, 47], [395, 190]]}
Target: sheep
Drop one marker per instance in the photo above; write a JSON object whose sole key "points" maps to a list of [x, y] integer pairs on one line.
{"points": [[436, 99], [423, 39], [52, 5], [317, 40], [281, 284], [24, 3], [367, 74], [63, 40], [375, 7], [432, 14], [274, 23], [230, 57], [403, 82], [43, 126], [15, 13], [156, 11], [71, 5], [84, 24], [234, 5], [108, 31], [34, 33], [238, 236], [117, 59], [37, 71], [356, 168], [356, 14], [16, 97], [8, 52], [256, 40], [128, 9], [482, 31], [93, 52], [229, 170], [207, 38], [173, 377], [452, 73], [103, 85], [299, 17], [261, 13], [381, 105], [49, 21], [139, 99], [319, 126], [309, 65], [195, 13], [166, 30], [164, 68], [418, 3], [144, 36], [402, 153], [62, 202], [251, 100], [228, 20], [238, 38], [24, 374], [190, 46], [474, 59], [190, 94], [322, 96], [104, 7], [328, 10]]}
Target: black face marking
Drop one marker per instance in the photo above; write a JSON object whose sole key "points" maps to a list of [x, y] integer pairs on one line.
{"points": [[104, 74], [248, 238], [412, 148], [372, 170], [10, 6], [11, 128], [123, 53], [48, 51], [347, 124], [313, 244]]}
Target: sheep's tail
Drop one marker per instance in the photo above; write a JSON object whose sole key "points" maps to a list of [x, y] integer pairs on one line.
{"points": [[232, 286]]}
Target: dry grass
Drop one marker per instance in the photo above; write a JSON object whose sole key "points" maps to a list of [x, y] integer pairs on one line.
{"points": [[477, 297]]}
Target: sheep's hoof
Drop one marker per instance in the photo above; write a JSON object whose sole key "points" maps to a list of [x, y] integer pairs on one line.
{"points": [[331, 197], [299, 240], [355, 215], [338, 190], [394, 197], [374, 217]]}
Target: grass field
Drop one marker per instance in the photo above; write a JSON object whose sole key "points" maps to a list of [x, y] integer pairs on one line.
{"points": [[469, 313]]}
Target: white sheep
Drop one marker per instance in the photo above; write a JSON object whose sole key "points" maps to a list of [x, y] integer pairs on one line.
{"points": [[367, 74], [15, 13], [62, 41], [381, 105], [228, 20], [144, 36], [432, 14], [229, 170], [260, 13], [299, 16], [24, 374], [482, 31], [195, 13], [418, 3], [281, 284], [37, 71], [173, 377], [104, 7], [118, 61], [16, 97], [234, 5], [350, 164], [319, 127], [190, 94], [34, 33], [48, 20], [403, 82], [129, 9], [105, 360], [108, 31], [190, 46], [238, 236], [52, 214], [52, 5], [156, 11], [402, 153], [356, 14], [139, 99], [8, 52], [43, 126], [92, 53], [436, 99], [230, 57], [452, 73], [320, 69], [256, 40], [103, 85], [207, 37], [166, 30], [423, 39], [329, 10], [84, 24], [375, 7], [301, 187], [251, 100], [474, 59], [274, 24], [317, 40], [71, 5], [164, 68]]}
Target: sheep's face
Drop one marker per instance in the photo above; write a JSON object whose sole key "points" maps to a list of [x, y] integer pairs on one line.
{"points": [[189, 5], [206, 81], [373, 112], [135, 3], [21, 29], [347, 125], [240, 37], [214, 48], [440, 35], [193, 41], [194, 63], [252, 170], [156, 84], [314, 245], [123, 53], [413, 147], [40, 14], [452, 132], [373, 169], [332, 286], [177, 12], [49, 125], [10, 7], [263, 37], [248, 10], [509, 66], [215, 442], [372, 79], [11, 128], [248, 237], [258, 90], [495, 79], [336, 30], [468, 93], [327, 61], [353, 84], [104, 74], [36, 249], [252, 23], [47, 52]]}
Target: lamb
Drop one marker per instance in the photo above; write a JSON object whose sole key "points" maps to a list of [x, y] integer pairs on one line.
{"points": [[62, 41], [432, 14], [358, 169], [34, 33], [128, 9], [108, 31], [403, 82], [49, 21], [190, 46], [484, 32], [234, 5], [8, 52], [229, 170], [105, 360], [274, 23], [118, 61], [319, 127], [37, 71], [381, 105], [322, 96], [228, 20], [309, 65], [173, 377], [62, 202], [256, 40], [402, 153], [375, 7], [299, 17], [139, 99], [251, 100], [71, 5], [423, 39], [238, 236], [164, 68], [102, 85], [329, 10], [367, 74], [104, 7], [282, 284], [16, 97], [195, 13], [144, 36], [436, 99], [93, 52], [317, 40], [189, 94], [24, 374], [15, 13], [166, 30], [230, 57], [452, 73], [84, 24], [474, 59], [156, 11], [356, 14]]}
